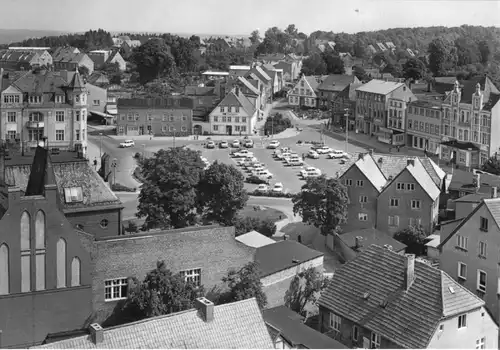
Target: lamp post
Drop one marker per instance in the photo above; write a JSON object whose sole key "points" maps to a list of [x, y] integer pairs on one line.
{"points": [[114, 164], [346, 115], [100, 146]]}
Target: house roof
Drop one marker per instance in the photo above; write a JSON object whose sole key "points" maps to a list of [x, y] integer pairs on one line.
{"points": [[472, 198], [445, 80], [262, 73], [254, 239], [290, 326], [249, 85], [312, 80], [175, 102], [420, 174], [371, 236], [98, 77], [463, 180], [369, 168], [410, 318], [199, 91], [38, 83], [237, 325], [379, 87], [487, 87], [433, 241], [239, 68], [336, 82], [283, 255]]}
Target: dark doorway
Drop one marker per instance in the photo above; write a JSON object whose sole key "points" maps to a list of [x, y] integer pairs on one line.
{"points": [[141, 130], [229, 129], [197, 130]]}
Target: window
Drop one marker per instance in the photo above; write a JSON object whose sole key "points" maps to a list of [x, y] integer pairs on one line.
{"points": [[59, 116], [243, 128], [335, 322], [462, 242], [11, 134], [11, 117], [171, 128], [59, 135], [115, 289], [73, 194], [394, 202], [40, 250], [394, 220], [462, 271], [400, 186], [363, 217], [193, 276], [216, 128], [363, 199], [222, 109], [77, 135], [462, 321], [59, 99], [25, 252], [77, 116], [481, 343], [348, 182], [183, 128], [355, 333], [104, 223], [415, 204], [96, 102], [481, 281], [360, 183], [75, 272], [483, 224], [441, 327], [410, 187], [243, 119], [4, 269], [482, 249], [375, 341], [237, 109], [61, 263], [229, 119]]}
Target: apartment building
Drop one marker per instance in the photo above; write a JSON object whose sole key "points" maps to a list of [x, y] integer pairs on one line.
{"points": [[332, 85], [305, 92], [386, 300], [424, 126], [171, 116], [44, 104], [396, 121]]}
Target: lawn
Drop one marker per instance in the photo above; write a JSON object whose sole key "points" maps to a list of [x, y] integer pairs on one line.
{"points": [[263, 213]]}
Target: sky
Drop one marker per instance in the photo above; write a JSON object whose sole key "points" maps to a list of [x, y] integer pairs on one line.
{"points": [[238, 17]]}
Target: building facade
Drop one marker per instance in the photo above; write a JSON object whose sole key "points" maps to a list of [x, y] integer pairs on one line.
{"points": [[171, 116], [70, 58], [24, 58], [305, 93], [424, 126], [396, 121], [333, 85]]}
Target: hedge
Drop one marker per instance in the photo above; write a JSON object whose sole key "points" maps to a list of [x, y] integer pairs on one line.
{"points": [[271, 194]]}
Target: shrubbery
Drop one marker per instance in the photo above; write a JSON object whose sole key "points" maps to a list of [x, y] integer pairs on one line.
{"points": [[118, 187], [252, 179], [271, 194], [264, 226], [276, 124]]}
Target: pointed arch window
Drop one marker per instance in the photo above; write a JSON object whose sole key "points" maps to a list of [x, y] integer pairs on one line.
{"points": [[4, 269], [40, 250], [75, 272], [25, 252], [61, 263]]}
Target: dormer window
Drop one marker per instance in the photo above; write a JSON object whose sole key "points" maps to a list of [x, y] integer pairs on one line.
{"points": [[35, 99], [11, 98], [59, 99], [73, 194], [77, 98]]}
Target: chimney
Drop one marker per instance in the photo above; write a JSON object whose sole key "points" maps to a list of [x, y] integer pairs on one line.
{"points": [[370, 151], [409, 276], [359, 242], [96, 333], [206, 308], [361, 156], [410, 162], [476, 180], [380, 160], [494, 192]]}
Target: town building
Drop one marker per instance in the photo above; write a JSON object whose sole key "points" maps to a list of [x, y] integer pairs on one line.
{"points": [[70, 58], [214, 75], [291, 70], [237, 325], [288, 331], [24, 58], [348, 62], [205, 99], [381, 47], [125, 39], [332, 85], [424, 126], [234, 115], [276, 76], [45, 104], [254, 239], [463, 183], [305, 92], [384, 300], [344, 103], [238, 71], [103, 57], [257, 73], [372, 106], [253, 89], [471, 114], [98, 79], [271, 58]]}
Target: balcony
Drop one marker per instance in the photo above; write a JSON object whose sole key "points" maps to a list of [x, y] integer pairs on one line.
{"points": [[35, 124]]}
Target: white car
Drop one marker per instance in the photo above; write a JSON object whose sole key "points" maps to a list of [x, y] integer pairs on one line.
{"points": [[210, 144], [294, 161], [336, 154], [246, 161], [243, 154], [273, 144], [324, 150], [235, 143], [283, 155], [278, 187], [289, 156], [262, 188], [310, 172], [313, 154], [264, 174], [127, 143], [257, 169]]}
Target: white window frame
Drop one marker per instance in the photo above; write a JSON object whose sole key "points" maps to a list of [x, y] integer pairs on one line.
{"points": [[115, 287], [355, 333], [410, 186], [362, 217], [335, 322], [73, 194], [462, 321], [481, 343], [394, 202], [400, 186], [482, 249], [481, 287], [193, 275], [363, 199], [416, 204], [360, 183], [59, 116], [375, 340], [462, 242], [11, 114], [59, 135], [459, 273]]}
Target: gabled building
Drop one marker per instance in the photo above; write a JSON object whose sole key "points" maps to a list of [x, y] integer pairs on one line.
{"points": [[381, 47], [70, 58], [291, 70], [385, 300], [102, 57], [345, 102], [257, 73], [205, 98], [372, 49], [276, 77], [332, 85], [305, 92], [24, 58], [390, 45], [238, 71], [410, 52]]}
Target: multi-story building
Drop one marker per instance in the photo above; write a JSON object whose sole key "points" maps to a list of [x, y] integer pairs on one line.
{"points": [[396, 121], [344, 103], [24, 58], [257, 73], [45, 104], [469, 251], [276, 76], [171, 116], [424, 126], [305, 92], [386, 300], [332, 85], [372, 106], [234, 115], [471, 115], [102, 57], [70, 58]]}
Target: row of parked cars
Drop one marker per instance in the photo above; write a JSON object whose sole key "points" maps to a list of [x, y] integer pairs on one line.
{"points": [[290, 158], [316, 151], [247, 143]]}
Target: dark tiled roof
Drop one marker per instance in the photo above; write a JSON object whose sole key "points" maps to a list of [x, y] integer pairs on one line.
{"points": [[469, 88], [410, 318], [336, 82], [473, 198], [48, 82], [279, 256], [313, 81], [167, 102], [445, 80], [238, 325], [371, 236], [199, 91], [464, 179], [492, 101], [290, 326]]}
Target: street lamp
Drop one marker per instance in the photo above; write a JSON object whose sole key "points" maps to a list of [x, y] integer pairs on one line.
{"points": [[346, 115], [114, 164], [100, 146]]}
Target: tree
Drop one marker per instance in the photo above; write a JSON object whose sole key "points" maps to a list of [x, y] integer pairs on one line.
{"points": [[414, 69], [413, 237], [255, 37], [111, 68], [314, 65], [334, 64], [322, 202], [84, 71], [484, 50], [161, 293], [359, 49], [291, 30], [305, 290], [243, 284], [221, 193], [116, 79], [439, 55], [492, 166], [153, 60], [244, 225], [168, 195]]}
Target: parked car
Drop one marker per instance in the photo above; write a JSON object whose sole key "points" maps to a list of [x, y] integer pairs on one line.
{"points": [[310, 172], [127, 143], [273, 144], [295, 161], [210, 145], [290, 155], [264, 174], [257, 169], [282, 155], [235, 144], [223, 144], [248, 161], [248, 144], [255, 166], [262, 188], [312, 154], [336, 154], [277, 188], [243, 154], [324, 150]]}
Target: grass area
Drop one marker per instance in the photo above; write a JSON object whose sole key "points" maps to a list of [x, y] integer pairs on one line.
{"points": [[264, 213]]}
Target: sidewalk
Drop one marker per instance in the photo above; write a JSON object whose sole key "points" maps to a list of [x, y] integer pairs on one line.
{"points": [[93, 153]]}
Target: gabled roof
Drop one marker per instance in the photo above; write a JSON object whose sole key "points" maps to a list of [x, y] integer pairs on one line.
{"points": [[76, 82], [463, 180], [371, 236], [240, 100], [254, 239], [41, 83], [283, 255], [472, 198], [237, 325], [410, 318], [291, 327], [336, 82], [249, 85], [199, 91], [379, 87], [369, 168], [420, 174], [312, 81], [262, 73]]}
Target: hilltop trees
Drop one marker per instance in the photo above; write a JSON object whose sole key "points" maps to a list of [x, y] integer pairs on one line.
{"points": [[439, 54], [414, 69], [153, 59]]}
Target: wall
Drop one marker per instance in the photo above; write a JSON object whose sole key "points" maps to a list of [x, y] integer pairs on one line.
{"points": [[90, 221], [462, 209], [160, 122], [429, 124], [219, 122], [354, 206], [479, 324], [87, 62], [451, 255], [97, 98]]}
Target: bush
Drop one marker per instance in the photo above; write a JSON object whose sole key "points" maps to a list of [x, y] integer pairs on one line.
{"points": [[118, 187], [271, 194], [252, 179], [138, 174], [247, 224], [276, 124], [138, 155], [132, 227]]}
